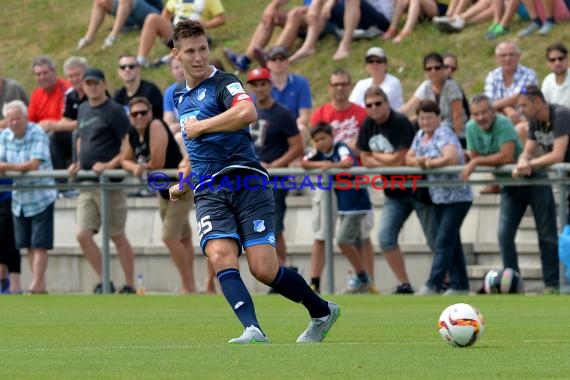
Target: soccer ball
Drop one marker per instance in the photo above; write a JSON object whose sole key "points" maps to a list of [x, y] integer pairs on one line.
{"points": [[461, 325], [502, 281]]}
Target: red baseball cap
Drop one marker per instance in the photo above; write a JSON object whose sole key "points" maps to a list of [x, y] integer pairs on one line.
{"points": [[260, 73]]}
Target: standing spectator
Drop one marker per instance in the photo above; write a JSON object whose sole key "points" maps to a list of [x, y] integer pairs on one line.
{"points": [[10, 90], [215, 114], [277, 142], [46, 107], [134, 86], [150, 141], [345, 119], [126, 12], [353, 204], [384, 140], [102, 125], [209, 12], [24, 146], [376, 64], [436, 146], [556, 85], [492, 141]]}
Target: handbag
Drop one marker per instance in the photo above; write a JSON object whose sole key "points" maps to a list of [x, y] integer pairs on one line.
{"points": [[421, 194]]}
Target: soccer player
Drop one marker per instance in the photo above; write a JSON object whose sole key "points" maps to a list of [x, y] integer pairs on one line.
{"points": [[232, 213]]}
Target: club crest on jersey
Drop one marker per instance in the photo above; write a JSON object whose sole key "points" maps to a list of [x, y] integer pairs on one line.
{"points": [[259, 225], [235, 88], [201, 94]]}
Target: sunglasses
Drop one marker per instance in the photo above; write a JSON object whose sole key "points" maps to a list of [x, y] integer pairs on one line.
{"points": [[375, 104], [377, 61], [139, 113], [130, 66], [449, 67], [433, 68], [278, 58], [339, 84], [559, 58]]}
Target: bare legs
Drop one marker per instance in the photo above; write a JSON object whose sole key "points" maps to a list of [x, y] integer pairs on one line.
{"points": [[37, 258], [182, 253]]}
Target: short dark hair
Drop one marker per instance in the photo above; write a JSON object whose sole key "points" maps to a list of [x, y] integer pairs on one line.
{"points": [[187, 29], [480, 98], [342, 72], [558, 46], [375, 91], [428, 106], [433, 56], [321, 127], [532, 91], [140, 99]]}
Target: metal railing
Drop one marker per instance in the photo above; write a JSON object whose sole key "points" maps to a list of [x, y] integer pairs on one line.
{"points": [[558, 176]]}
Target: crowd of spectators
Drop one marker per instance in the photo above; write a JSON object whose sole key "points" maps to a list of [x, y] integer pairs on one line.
{"points": [[75, 123]]}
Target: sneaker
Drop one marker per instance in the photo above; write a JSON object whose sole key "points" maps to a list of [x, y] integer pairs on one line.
{"points": [[546, 28], [451, 25], [237, 60], [260, 56], [368, 34], [319, 327], [456, 292], [438, 19], [83, 43], [373, 289], [109, 41], [426, 291], [251, 335], [126, 289], [551, 290], [530, 29], [404, 289], [356, 285], [497, 31], [99, 288]]}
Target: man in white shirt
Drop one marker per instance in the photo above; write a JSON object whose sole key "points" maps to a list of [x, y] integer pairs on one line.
{"points": [[556, 85]]}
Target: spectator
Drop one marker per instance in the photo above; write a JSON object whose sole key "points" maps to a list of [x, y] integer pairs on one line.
{"points": [[436, 146], [10, 90], [353, 205], [46, 107], [345, 119], [133, 86], [384, 140], [277, 142], [292, 21], [10, 261], [102, 125], [24, 146], [416, 9], [556, 85], [492, 141], [126, 12], [150, 141], [209, 12], [376, 64], [451, 65], [503, 13], [170, 113], [439, 87], [543, 15], [290, 89]]}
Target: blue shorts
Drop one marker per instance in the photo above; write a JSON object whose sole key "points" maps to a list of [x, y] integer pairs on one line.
{"points": [[245, 215], [34, 231], [141, 9]]}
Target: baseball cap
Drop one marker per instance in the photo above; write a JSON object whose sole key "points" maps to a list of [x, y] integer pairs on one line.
{"points": [[276, 51], [94, 74], [375, 52], [260, 73]]}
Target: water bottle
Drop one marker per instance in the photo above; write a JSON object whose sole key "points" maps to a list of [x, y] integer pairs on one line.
{"points": [[140, 285], [141, 161]]}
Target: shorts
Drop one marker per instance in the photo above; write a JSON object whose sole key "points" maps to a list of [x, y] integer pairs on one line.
{"points": [[141, 9], [350, 230], [88, 212], [34, 231], [366, 225], [175, 218], [245, 215], [279, 196]]}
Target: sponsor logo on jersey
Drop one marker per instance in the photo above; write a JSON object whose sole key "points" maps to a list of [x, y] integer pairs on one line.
{"points": [[235, 88]]}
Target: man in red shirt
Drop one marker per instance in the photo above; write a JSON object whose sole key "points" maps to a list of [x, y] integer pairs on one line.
{"points": [[46, 108]]}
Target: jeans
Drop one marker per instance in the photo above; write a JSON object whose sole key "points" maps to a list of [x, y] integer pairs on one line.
{"points": [[394, 215], [448, 255], [514, 202]]}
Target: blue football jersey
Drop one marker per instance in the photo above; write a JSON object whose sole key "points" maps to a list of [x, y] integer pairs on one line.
{"points": [[214, 154]]}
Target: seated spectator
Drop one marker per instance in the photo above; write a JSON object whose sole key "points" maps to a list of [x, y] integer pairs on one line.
{"points": [[24, 146], [292, 21], [126, 12], [150, 145], [376, 64], [435, 146], [210, 13], [451, 65], [10, 90], [416, 8], [353, 205], [438, 87], [480, 11], [129, 71], [556, 85], [543, 15]]}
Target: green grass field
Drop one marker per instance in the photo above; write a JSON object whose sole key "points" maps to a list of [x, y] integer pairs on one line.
{"points": [[167, 337]]}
